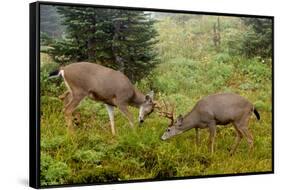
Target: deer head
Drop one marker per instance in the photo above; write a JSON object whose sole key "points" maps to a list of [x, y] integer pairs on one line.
{"points": [[174, 129], [147, 107], [167, 110]]}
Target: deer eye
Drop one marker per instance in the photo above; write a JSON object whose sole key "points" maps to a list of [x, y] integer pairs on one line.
{"points": [[168, 130]]}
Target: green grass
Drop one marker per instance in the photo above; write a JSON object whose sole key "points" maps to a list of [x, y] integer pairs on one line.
{"points": [[91, 154]]}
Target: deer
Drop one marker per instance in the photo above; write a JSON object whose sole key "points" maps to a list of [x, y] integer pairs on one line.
{"points": [[103, 84], [213, 110]]}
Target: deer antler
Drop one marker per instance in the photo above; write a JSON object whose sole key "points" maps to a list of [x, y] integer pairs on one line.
{"points": [[163, 110]]}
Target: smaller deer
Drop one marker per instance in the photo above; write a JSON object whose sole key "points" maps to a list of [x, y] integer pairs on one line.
{"points": [[213, 110]]}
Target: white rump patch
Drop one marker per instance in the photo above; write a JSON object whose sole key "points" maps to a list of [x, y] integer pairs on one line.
{"points": [[67, 85]]}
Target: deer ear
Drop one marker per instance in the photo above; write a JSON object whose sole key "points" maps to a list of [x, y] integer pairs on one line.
{"points": [[180, 119], [149, 96]]}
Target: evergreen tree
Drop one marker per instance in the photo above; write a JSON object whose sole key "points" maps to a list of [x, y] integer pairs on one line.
{"points": [[120, 39], [132, 44], [258, 41]]}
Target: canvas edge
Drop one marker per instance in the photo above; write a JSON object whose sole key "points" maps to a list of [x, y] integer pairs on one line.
{"points": [[34, 89], [34, 95]]}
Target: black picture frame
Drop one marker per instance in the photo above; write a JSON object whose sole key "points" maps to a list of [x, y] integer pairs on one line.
{"points": [[34, 90]]}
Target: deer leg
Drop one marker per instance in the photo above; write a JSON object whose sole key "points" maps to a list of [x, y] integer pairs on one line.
{"points": [[212, 130], [249, 138], [239, 136], [110, 110], [127, 114], [243, 128], [197, 136], [62, 97], [66, 97], [70, 107]]}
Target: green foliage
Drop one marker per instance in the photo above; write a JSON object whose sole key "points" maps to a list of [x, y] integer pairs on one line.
{"points": [[187, 36], [88, 156], [50, 86], [249, 37], [185, 74], [258, 41], [255, 69], [52, 172], [65, 50], [101, 175], [233, 41], [222, 58], [53, 143], [260, 105]]}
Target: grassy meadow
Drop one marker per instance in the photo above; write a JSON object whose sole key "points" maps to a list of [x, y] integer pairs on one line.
{"points": [[189, 68]]}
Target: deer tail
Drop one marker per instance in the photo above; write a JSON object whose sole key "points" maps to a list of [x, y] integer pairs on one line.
{"points": [[256, 113], [54, 74]]}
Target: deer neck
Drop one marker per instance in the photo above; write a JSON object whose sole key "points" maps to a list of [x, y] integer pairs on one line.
{"points": [[189, 121], [138, 98]]}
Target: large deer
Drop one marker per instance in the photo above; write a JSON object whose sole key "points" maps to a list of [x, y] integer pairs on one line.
{"points": [[217, 109], [103, 84]]}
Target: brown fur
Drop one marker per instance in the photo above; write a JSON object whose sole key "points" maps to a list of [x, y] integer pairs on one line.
{"points": [[217, 109], [101, 84]]}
